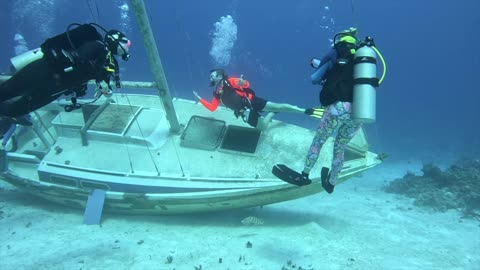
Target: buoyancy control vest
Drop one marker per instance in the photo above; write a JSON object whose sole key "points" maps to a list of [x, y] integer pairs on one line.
{"points": [[60, 50], [238, 95], [339, 80], [240, 85]]}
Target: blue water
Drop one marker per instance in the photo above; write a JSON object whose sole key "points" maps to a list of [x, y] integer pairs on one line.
{"points": [[427, 107], [427, 110], [428, 102]]}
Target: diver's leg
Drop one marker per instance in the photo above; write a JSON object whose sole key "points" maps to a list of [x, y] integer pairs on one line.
{"points": [[263, 122], [19, 107], [25, 104], [15, 109], [29, 89], [282, 107], [11, 88], [347, 130], [328, 125], [26, 80]]}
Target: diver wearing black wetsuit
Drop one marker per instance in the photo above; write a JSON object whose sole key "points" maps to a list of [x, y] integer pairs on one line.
{"points": [[46, 79]]}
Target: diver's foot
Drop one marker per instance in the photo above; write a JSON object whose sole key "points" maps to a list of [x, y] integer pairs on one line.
{"points": [[301, 180], [24, 120], [326, 180], [304, 179], [290, 176]]}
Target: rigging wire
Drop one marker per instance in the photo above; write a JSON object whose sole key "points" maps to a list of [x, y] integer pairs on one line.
{"points": [[44, 126], [147, 10], [354, 13], [142, 134], [93, 8], [178, 157], [126, 146], [146, 144]]}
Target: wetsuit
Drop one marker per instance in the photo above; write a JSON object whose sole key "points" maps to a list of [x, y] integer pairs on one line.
{"points": [[238, 97], [337, 96], [44, 80]]}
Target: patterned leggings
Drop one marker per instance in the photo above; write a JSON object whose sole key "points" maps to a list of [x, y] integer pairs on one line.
{"points": [[335, 121]]}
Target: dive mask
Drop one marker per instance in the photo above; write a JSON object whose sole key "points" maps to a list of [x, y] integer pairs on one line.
{"points": [[215, 77], [123, 47]]}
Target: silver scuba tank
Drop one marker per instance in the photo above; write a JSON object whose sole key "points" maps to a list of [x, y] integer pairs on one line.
{"points": [[365, 81]]}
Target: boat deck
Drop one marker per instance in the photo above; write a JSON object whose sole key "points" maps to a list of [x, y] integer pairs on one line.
{"points": [[143, 146], [126, 148]]}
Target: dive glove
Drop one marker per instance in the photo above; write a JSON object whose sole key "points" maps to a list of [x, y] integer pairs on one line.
{"points": [[103, 88], [315, 112], [197, 95]]}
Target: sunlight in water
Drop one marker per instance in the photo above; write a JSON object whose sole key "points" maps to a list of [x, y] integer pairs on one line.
{"points": [[37, 13]]}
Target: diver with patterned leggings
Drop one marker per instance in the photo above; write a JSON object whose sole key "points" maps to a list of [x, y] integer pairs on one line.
{"points": [[349, 66], [336, 120], [335, 73]]}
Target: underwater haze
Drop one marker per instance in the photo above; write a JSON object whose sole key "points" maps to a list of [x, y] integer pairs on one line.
{"points": [[427, 105], [427, 109]]}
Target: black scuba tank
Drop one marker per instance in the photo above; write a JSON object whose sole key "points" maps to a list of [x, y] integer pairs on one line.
{"points": [[60, 50]]}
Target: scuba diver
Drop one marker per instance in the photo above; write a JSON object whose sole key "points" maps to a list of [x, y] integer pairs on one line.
{"points": [[61, 66], [64, 66], [236, 94], [348, 96]]}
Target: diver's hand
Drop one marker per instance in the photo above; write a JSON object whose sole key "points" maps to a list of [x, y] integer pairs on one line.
{"points": [[103, 85], [196, 95], [107, 93], [315, 112], [104, 88]]}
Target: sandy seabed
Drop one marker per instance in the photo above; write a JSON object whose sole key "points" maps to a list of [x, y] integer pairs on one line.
{"points": [[359, 226]]}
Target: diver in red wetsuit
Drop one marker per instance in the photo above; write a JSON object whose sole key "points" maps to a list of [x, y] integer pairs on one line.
{"points": [[236, 94]]}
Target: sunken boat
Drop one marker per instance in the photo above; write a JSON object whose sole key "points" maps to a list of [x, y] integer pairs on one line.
{"points": [[155, 154]]}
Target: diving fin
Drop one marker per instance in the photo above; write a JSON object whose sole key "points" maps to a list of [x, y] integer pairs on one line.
{"points": [[24, 120], [326, 180], [290, 176], [315, 112]]}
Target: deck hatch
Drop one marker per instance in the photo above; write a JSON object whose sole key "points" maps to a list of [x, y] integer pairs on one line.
{"points": [[241, 139], [114, 119], [203, 133]]}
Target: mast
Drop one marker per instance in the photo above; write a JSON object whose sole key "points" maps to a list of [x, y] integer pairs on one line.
{"points": [[155, 63]]}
